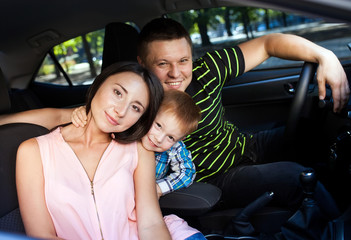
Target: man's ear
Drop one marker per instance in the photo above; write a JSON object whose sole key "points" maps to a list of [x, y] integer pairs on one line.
{"points": [[181, 139], [139, 61]]}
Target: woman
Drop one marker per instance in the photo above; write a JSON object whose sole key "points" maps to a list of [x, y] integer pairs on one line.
{"points": [[78, 183]]}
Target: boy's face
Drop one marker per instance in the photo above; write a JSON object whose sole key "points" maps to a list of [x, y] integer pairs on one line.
{"points": [[163, 134]]}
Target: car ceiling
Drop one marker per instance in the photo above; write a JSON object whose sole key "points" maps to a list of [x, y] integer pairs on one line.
{"points": [[30, 28]]}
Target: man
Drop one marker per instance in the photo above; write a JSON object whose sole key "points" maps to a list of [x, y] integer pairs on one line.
{"points": [[223, 156]]}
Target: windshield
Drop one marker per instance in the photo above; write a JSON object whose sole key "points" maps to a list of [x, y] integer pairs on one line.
{"points": [[217, 28]]}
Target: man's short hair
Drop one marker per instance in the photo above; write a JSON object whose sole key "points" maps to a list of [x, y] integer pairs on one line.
{"points": [[162, 29], [184, 108]]}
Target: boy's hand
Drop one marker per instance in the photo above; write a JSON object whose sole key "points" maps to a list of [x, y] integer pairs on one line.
{"points": [[159, 192], [79, 117]]}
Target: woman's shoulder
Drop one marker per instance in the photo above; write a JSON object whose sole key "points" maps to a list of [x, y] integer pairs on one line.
{"points": [[143, 153], [33, 144], [141, 148], [28, 151], [28, 144]]}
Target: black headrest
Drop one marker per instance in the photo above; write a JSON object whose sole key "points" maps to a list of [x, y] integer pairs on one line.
{"points": [[5, 103], [119, 44]]}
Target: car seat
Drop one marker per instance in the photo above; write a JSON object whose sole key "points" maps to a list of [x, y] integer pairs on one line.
{"points": [[11, 136], [5, 103], [119, 43]]}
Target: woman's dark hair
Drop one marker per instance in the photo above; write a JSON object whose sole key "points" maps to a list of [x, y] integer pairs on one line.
{"points": [[142, 126], [160, 29]]}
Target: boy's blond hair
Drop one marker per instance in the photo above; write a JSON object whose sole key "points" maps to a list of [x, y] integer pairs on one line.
{"points": [[184, 108]]}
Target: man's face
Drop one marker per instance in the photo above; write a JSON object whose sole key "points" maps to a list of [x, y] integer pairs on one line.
{"points": [[171, 61]]}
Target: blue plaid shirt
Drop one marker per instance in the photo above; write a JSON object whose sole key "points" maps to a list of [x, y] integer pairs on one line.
{"points": [[174, 168]]}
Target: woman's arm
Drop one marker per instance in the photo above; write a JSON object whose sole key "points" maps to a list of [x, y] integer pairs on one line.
{"points": [[46, 117], [30, 191], [149, 217]]}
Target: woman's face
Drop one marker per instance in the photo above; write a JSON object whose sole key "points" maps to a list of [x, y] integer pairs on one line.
{"points": [[120, 101]]}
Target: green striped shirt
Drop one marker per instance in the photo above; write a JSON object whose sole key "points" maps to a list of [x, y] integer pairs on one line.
{"points": [[216, 145]]}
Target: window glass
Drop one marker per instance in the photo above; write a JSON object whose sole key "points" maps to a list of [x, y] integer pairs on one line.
{"points": [[80, 58], [218, 28]]}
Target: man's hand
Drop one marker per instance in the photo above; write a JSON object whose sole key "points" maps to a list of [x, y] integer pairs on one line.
{"points": [[292, 47], [331, 72]]}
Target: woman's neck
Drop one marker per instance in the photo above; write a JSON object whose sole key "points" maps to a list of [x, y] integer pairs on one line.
{"points": [[87, 135]]}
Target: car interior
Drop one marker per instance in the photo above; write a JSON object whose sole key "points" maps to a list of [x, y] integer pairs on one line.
{"points": [[260, 99]]}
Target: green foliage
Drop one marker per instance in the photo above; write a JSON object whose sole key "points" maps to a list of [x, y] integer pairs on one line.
{"points": [[46, 69], [249, 17], [187, 19], [71, 52]]}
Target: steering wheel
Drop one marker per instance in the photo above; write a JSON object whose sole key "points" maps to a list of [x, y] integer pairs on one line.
{"points": [[306, 76]]}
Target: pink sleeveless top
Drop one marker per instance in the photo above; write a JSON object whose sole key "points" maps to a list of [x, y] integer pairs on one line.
{"points": [[109, 213]]}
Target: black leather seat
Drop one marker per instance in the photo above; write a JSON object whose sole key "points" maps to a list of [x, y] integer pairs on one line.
{"points": [[11, 136], [196, 200], [120, 43], [5, 103]]}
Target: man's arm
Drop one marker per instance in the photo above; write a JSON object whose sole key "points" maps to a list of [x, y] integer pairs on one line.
{"points": [[292, 47], [183, 170], [46, 117]]}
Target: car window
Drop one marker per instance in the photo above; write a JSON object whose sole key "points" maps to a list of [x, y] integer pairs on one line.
{"points": [[79, 58], [75, 62], [217, 28]]}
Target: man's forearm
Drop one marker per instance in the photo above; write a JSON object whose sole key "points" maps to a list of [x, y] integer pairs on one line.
{"points": [[46, 117]]}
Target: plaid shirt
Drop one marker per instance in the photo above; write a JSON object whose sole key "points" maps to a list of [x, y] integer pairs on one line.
{"points": [[174, 168]]}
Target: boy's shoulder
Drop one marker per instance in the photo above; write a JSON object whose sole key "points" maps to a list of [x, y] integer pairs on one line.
{"points": [[177, 148], [174, 150], [178, 145]]}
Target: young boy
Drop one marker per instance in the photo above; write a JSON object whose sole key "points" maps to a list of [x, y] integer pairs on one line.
{"points": [[177, 117]]}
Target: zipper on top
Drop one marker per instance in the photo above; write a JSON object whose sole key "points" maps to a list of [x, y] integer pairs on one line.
{"points": [[97, 213]]}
